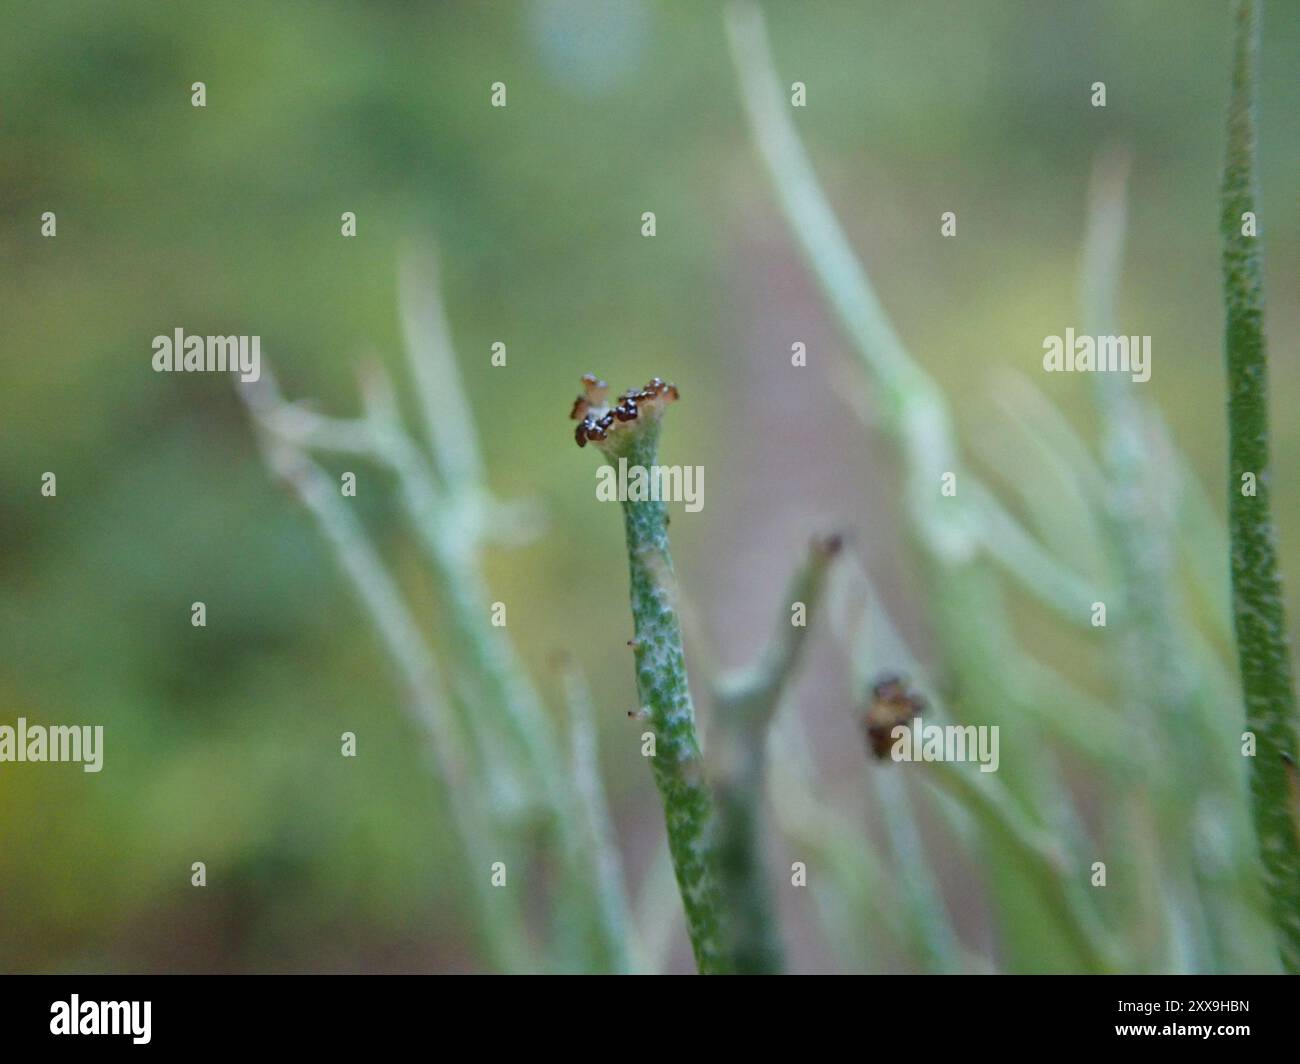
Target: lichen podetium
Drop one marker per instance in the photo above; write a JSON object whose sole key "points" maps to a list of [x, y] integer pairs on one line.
{"points": [[1263, 646], [630, 429]]}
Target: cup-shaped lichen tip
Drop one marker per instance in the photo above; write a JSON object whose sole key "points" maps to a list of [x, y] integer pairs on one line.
{"points": [[612, 425]]}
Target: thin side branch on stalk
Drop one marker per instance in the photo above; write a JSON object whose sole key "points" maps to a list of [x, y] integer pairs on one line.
{"points": [[745, 704]]}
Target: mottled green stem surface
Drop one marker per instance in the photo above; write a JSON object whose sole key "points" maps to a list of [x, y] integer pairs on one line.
{"points": [[665, 696], [1263, 649]]}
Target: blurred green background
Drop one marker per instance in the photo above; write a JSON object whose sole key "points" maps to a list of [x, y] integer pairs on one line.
{"points": [[222, 743]]}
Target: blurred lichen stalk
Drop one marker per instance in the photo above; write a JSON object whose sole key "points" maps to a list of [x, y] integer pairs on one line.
{"points": [[1124, 523]]}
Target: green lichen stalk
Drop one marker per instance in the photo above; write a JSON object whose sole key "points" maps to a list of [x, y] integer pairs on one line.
{"points": [[745, 705], [630, 431], [1262, 641]]}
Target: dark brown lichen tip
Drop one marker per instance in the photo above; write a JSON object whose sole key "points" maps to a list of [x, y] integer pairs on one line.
{"points": [[597, 420], [893, 702], [827, 546]]}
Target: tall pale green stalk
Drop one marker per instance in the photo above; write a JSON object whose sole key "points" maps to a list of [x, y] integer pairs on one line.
{"points": [[875, 646], [1147, 632], [611, 947], [499, 920], [516, 776], [1263, 644], [677, 761], [957, 533]]}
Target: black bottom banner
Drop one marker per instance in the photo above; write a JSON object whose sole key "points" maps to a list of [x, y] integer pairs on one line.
{"points": [[345, 1012]]}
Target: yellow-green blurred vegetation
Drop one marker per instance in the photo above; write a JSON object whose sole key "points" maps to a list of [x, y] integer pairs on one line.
{"points": [[222, 743]]}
